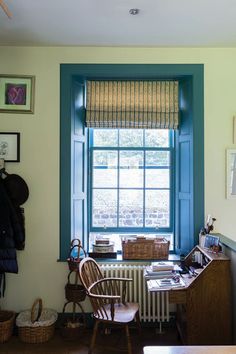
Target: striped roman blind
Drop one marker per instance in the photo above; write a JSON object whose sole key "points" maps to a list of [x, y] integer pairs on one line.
{"points": [[132, 104]]}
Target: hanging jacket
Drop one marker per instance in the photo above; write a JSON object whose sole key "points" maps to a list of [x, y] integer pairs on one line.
{"points": [[12, 231], [11, 234]]}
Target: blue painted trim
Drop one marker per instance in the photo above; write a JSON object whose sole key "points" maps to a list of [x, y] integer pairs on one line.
{"points": [[198, 150], [131, 230], [65, 162], [69, 72], [172, 185]]}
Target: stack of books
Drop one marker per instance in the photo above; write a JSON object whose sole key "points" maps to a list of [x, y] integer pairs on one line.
{"points": [[162, 266], [102, 241], [159, 270], [103, 248]]}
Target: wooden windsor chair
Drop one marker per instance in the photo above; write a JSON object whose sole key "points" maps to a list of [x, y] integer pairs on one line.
{"points": [[107, 297]]}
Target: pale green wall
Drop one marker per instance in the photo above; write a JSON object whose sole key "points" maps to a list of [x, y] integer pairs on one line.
{"points": [[39, 272]]}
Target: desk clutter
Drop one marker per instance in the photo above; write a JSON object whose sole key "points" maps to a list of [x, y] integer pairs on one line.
{"points": [[201, 290], [171, 275], [163, 275]]}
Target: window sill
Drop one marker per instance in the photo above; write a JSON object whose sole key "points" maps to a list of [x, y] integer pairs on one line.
{"points": [[172, 257]]}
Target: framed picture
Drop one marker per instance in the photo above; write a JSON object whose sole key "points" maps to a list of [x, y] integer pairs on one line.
{"points": [[231, 173], [10, 147], [17, 94], [211, 241]]}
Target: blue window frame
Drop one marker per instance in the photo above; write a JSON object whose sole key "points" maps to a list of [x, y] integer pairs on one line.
{"points": [[131, 180], [189, 159]]}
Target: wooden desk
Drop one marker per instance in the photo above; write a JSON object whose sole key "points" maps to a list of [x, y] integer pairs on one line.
{"points": [[190, 350], [204, 312]]}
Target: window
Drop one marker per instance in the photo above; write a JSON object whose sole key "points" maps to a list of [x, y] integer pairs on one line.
{"points": [[131, 182], [189, 147]]}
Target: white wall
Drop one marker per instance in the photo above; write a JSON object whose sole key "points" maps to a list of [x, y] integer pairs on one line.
{"points": [[39, 272]]}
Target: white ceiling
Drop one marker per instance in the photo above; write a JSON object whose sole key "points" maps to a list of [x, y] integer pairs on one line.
{"points": [[182, 23]]}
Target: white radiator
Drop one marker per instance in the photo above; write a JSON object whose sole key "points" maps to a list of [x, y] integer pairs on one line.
{"points": [[153, 306]]}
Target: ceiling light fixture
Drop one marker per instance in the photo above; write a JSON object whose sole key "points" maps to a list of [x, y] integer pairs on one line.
{"points": [[134, 11]]}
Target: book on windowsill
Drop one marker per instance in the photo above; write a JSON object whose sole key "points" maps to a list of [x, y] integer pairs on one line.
{"points": [[103, 255]]}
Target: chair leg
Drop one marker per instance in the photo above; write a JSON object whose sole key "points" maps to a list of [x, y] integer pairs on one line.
{"points": [[137, 317], [128, 339], [95, 328]]}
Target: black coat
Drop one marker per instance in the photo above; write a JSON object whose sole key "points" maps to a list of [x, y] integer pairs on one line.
{"points": [[12, 235]]}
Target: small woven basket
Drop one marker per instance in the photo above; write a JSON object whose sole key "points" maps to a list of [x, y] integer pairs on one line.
{"points": [[7, 319], [73, 328], [76, 250], [36, 325], [74, 292]]}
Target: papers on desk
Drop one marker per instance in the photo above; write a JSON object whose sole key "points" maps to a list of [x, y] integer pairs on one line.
{"points": [[164, 284]]}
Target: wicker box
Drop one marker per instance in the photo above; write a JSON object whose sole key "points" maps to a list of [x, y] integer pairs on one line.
{"points": [[144, 248]]}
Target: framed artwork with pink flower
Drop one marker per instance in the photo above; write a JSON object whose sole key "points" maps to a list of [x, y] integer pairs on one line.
{"points": [[17, 93]]}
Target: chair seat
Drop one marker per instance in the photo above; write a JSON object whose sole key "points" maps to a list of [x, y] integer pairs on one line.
{"points": [[123, 313]]}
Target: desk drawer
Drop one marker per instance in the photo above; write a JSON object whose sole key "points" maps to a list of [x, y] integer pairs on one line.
{"points": [[177, 296]]}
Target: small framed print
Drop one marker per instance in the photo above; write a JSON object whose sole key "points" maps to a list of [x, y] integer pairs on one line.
{"points": [[10, 147], [231, 173], [17, 94], [211, 241]]}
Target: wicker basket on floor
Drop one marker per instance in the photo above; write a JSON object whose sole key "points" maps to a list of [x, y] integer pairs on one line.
{"points": [[74, 326], [7, 319], [36, 325]]}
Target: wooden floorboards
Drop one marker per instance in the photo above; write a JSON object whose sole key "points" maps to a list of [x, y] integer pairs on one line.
{"points": [[113, 343]]}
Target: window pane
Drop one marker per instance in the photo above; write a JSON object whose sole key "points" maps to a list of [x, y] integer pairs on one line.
{"points": [[157, 178], [105, 137], [104, 213], [157, 138], [105, 168], [157, 212], [131, 208], [131, 169], [124, 172], [158, 158], [131, 137]]}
